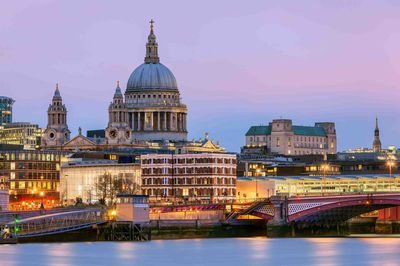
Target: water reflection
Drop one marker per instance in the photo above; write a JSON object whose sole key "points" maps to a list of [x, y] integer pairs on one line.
{"points": [[59, 254], [228, 251], [325, 250]]}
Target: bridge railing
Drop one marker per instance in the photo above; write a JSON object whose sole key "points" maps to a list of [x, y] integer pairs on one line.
{"points": [[59, 222]]}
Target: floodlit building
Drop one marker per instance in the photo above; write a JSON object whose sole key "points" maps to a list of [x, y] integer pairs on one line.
{"points": [[281, 137], [151, 108], [202, 177], [21, 133], [32, 177], [4, 199], [250, 188], [92, 180]]}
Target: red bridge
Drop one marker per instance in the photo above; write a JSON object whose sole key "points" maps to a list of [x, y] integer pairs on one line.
{"points": [[323, 209]]}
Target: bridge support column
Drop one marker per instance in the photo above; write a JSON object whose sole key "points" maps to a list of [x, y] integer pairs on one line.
{"points": [[279, 225]]}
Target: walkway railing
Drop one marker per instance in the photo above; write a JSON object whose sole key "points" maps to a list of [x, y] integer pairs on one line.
{"points": [[56, 223]]}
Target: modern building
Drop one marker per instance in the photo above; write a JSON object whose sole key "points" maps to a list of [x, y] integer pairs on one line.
{"points": [[281, 137], [21, 133], [90, 181], [151, 108], [250, 188], [179, 178], [32, 177], [56, 132], [6, 105]]}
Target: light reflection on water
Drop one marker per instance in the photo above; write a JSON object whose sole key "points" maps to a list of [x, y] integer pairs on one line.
{"points": [[224, 251]]}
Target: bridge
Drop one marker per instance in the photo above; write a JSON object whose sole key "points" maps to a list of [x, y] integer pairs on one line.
{"points": [[56, 223], [327, 209]]}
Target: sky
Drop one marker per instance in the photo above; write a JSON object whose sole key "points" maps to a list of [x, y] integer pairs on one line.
{"points": [[237, 63]]}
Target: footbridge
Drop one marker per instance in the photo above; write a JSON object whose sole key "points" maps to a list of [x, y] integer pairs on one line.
{"points": [[319, 209], [56, 223]]}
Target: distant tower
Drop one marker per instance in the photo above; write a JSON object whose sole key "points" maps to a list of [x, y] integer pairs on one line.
{"points": [[376, 146], [57, 132], [118, 131]]}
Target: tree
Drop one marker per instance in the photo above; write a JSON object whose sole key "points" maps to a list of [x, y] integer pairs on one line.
{"points": [[108, 187]]}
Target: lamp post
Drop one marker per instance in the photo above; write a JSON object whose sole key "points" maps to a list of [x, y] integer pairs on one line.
{"points": [[324, 168], [390, 164], [258, 171]]}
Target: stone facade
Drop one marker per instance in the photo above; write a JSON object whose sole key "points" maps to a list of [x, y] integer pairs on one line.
{"points": [[281, 137], [179, 178], [376, 145], [57, 132], [151, 109]]}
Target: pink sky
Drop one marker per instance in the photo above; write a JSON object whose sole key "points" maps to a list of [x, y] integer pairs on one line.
{"points": [[237, 63]]}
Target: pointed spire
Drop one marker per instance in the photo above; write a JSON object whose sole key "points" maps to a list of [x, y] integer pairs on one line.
{"points": [[118, 92], [151, 47], [376, 145], [57, 92]]}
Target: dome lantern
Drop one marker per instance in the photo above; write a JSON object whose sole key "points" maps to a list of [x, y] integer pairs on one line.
{"points": [[151, 47]]}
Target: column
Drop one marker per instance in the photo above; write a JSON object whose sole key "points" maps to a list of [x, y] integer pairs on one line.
{"points": [[139, 124], [165, 121], [170, 121], [133, 121], [158, 121], [151, 121]]}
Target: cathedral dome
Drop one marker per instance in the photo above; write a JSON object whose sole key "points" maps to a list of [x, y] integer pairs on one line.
{"points": [[151, 76]]}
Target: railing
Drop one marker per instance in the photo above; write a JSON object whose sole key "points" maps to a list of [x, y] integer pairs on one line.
{"points": [[56, 223]]}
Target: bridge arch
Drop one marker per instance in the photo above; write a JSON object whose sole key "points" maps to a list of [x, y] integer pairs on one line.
{"points": [[342, 210]]}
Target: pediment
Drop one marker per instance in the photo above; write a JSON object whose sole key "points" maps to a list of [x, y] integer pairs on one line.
{"points": [[79, 141]]}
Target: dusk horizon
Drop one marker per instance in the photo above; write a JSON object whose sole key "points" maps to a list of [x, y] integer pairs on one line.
{"points": [[236, 65]]}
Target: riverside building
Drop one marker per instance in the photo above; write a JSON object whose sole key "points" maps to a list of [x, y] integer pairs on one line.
{"points": [[251, 188], [182, 178], [32, 177], [282, 137], [21, 133], [85, 180]]}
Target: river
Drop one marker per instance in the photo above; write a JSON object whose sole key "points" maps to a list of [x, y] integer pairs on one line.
{"points": [[222, 251]]}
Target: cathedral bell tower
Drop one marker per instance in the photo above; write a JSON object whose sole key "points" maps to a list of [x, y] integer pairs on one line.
{"points": [[118, 131], [57, 132], [376, 145]]}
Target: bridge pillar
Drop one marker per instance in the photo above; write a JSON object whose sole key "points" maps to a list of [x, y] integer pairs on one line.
{"points": [[279, 225], [281, 209]]}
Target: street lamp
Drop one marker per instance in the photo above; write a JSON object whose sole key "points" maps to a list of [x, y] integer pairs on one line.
{"points": [[41, 194], [390, 164], [324, 168], [258, 171]]}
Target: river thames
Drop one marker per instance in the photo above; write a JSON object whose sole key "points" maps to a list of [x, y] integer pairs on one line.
{"points": [[224, 251]]}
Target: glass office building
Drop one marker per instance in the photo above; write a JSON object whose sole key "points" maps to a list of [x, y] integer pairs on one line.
{"points": [[6, 104]]}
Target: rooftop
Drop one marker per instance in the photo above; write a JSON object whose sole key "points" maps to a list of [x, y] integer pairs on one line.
{"points": [[297, 130]]}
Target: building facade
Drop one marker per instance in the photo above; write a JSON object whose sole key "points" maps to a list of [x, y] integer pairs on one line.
{"points": [[151, 108], [56, 132], [281, 137], [32, 177], [90, 181], [21, 133], [248, 189], [6, 105], [180, 178]]}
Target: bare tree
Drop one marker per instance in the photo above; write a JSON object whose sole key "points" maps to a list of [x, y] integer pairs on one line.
{"points": [[108, 186]]}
